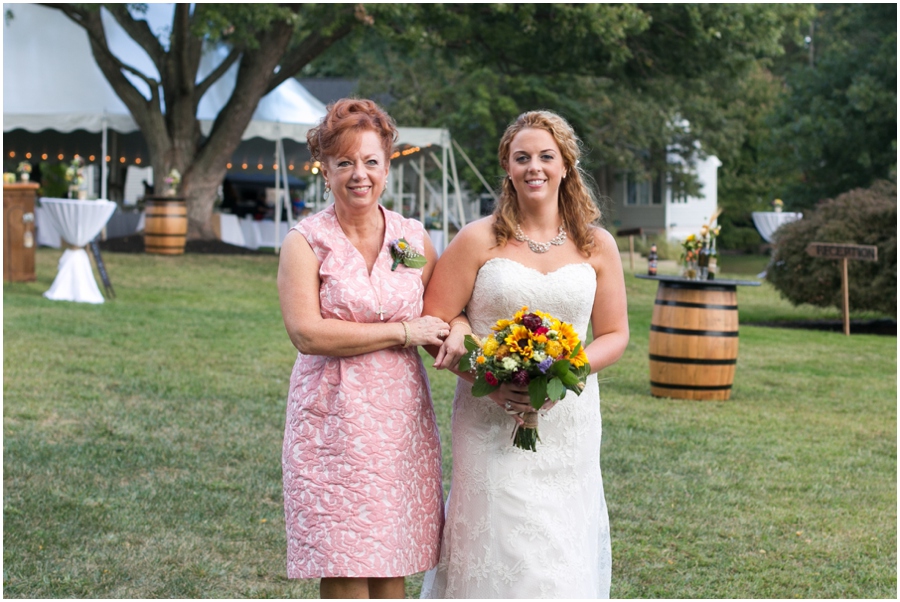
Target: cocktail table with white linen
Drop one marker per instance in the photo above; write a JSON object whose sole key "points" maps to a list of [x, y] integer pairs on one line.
{"points": [[78, 222]]}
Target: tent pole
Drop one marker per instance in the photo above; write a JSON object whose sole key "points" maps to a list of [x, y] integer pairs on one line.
{"points": [[422, 187], [276, 244], [400, 187], [287, 189], [104, 170], [459, 203], [473, 168], [445, 181]]}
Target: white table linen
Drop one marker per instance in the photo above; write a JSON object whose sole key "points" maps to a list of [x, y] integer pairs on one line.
{"points": [[230, 230], [78, 222], [767, 222], [47, 235]]}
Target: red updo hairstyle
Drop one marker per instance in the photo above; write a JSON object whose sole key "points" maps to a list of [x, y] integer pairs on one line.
{"points": [[338, 132]]}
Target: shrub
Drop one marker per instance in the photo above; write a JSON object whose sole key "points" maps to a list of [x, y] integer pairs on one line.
{"points": [[864, 216]]}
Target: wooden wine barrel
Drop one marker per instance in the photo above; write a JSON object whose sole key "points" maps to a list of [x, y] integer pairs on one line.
{"points": [[693, 340], [165, 225]]}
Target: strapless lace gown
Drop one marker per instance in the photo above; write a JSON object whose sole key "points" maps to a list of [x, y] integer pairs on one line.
{"points": [[522, 524]]}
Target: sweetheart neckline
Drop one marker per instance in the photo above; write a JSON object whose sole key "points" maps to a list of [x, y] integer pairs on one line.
{"points": [[584, 263]]}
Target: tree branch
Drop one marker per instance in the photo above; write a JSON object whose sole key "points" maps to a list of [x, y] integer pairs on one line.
{"points": [[140, 32], [315, 44], [110, 65], [216, 73]]}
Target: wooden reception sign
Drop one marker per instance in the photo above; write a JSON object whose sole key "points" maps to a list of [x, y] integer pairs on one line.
{"points": [[825, 250]]}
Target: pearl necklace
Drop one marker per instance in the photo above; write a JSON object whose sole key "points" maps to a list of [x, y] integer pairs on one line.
{"points": [[541, 247]]}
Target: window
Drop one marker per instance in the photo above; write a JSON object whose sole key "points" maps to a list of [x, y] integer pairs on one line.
{"points": [[637, 191]]}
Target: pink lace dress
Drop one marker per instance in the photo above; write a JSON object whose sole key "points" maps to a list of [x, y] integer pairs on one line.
{"points": [[361, 458]]}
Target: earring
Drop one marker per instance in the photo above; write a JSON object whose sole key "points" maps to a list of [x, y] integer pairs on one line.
{"points": [[326, 193]]}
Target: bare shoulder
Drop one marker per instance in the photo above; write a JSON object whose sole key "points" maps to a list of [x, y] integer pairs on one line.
{"points": [[475, 238], [605, 247]]}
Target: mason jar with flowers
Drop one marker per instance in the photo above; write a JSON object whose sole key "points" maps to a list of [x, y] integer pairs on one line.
{"points": [[24, 170], [75, 178], [172, 181], [778, 205], [690, 253]]}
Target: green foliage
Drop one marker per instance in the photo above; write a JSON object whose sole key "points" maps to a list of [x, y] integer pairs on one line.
{"points": [[836, 127], [863, 217], [633, 80], [53, 180]]}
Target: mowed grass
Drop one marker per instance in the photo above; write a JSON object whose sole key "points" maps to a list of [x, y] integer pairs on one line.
{"points": [[142, 445]]}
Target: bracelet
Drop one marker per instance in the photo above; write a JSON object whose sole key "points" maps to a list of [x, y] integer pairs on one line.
{"points": [[460, 321], [406, 332]]}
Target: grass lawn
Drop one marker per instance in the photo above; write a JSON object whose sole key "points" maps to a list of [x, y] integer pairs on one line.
{"points": [[142, 445]]}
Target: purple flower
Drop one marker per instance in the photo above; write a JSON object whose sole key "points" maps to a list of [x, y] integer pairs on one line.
{"points": [[545, 365], [521, 378]]}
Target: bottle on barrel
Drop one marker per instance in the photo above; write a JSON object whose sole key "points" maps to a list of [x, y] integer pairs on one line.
{"points": [[652, 260], [713, 261], [703, 259]]}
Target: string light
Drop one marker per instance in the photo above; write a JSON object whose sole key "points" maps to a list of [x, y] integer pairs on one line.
{"points": [[137, 161], [228, 166], [44, 156], [91, 158], [12, 154], [60, 157], [291, 167], [27, 155], [259, 166], [108, 158], [121, 159], [243, 166]]}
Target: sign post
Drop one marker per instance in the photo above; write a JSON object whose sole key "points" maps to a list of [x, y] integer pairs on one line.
{"points": [[631, 233], [845, 253]]}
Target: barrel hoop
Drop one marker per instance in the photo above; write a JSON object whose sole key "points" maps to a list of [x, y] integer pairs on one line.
{"points": [[698, 285], [161, 235], [693, 360], [691, 387], [695, 305], [697, 333]]}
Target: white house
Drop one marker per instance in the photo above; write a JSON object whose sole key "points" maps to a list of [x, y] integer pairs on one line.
{"points": [[653, 207]]}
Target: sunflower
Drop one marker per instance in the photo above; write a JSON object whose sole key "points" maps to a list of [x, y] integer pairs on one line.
{"points": [[519, 341]]}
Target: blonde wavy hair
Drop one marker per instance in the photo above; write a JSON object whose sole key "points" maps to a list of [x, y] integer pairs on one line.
{"points": [[577, 204]]}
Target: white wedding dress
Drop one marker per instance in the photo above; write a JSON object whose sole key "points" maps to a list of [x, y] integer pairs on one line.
{"points": [[522, 524]]}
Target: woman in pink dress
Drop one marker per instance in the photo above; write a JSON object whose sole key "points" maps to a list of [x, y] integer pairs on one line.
{"points": [[361, 459]]}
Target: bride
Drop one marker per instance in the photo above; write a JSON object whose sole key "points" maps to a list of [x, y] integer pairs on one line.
{"points": [[523, 524]]}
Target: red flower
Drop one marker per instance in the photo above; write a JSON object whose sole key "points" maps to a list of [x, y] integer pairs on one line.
{"points": [[542, 330], [491, 379], [532, 322]]}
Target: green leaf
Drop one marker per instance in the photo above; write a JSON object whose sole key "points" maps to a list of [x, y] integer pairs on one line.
{"points": [[415, 261], [569, 379], [465, 362], [559, 368], [576, 350], [470, 343], [482, 388], [537, 391], [555, 389]]}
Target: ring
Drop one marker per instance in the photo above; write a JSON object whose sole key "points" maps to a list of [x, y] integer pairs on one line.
{"points": [[508, 405]]}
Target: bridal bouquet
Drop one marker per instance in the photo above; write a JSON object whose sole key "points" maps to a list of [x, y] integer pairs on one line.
{"points": [[533, 350]]}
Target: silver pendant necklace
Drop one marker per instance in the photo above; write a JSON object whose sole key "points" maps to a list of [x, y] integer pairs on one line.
{"points": [[541, 247]]}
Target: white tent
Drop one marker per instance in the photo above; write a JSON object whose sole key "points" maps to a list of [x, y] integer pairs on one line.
{"points": [[51, 82]]}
